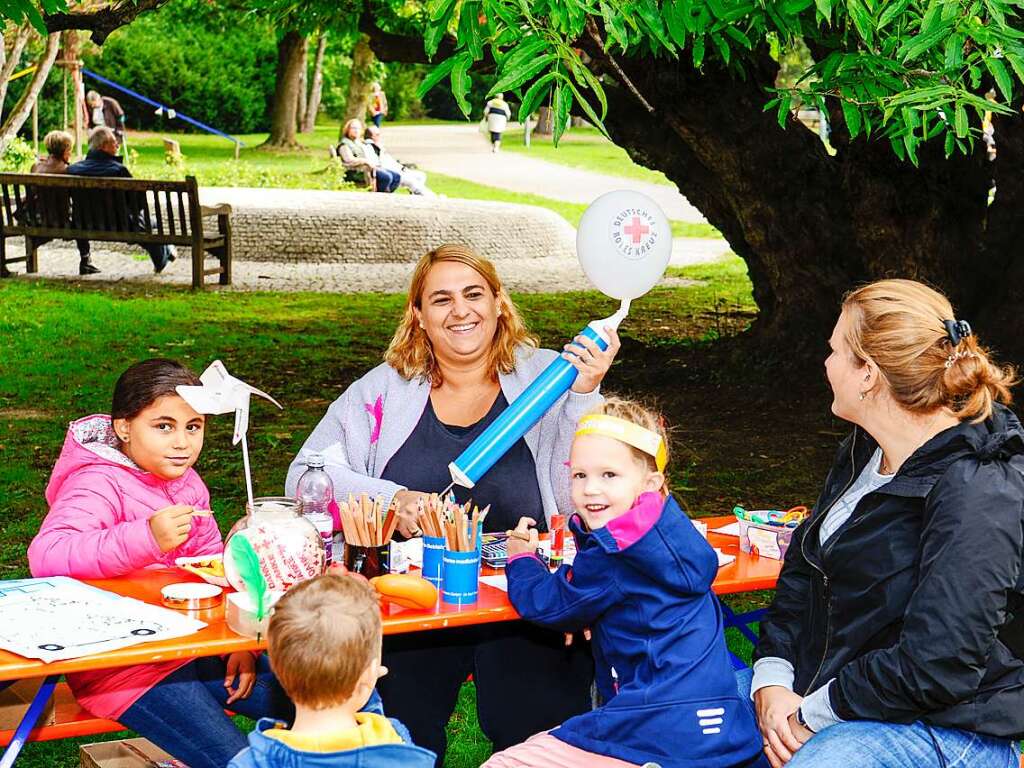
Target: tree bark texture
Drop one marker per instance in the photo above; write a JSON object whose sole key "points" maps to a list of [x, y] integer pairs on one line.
{"points": [[23, 108], [359, 80], [812, 226], [286, 87], [104, 20], [316, 86], [12, 59], [301, 95]]}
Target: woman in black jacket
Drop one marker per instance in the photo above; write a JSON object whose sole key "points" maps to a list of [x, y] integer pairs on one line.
{"points": [[896, 636]]}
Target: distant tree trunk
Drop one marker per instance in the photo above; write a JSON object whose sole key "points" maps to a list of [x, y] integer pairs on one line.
{"points": [[359, 80], [300, 105], [545, 121], [10, 62], [23, 109], [289, 67], [316, 86]]}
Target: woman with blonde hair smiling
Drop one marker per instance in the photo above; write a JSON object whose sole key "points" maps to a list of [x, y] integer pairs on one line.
{"points": [[460, 354], [896, 636]]}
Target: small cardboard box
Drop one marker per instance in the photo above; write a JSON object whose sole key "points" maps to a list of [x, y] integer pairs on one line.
{"points": [[126, 753], [14, 701]]}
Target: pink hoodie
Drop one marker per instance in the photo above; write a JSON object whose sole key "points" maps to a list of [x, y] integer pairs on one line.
{"points": [[98, 528]]}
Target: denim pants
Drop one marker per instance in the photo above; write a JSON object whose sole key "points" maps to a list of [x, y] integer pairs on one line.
{"points": [[873, 744]]}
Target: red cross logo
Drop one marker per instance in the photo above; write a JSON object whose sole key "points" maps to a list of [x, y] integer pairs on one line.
{"points": [[636, 230]]}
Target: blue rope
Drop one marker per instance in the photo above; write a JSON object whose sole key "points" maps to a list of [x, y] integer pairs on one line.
{"points": [[152, 103]]}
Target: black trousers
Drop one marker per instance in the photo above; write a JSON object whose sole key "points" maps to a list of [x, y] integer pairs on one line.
{"points": [[527, 681]]}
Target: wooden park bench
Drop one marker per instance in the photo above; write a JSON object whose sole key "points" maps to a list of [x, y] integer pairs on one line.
{"points": [[44, 207]]}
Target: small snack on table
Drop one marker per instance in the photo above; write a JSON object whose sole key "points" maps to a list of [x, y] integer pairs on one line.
{"points": [[210, 568], [406, 590]]}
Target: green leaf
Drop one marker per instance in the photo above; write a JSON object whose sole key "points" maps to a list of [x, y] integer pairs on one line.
{"points": [[893, 8], [739, 37], [521, 74], [918, 44], [437, 74], [950, 144], [585, 106], [614, 25], [698, 51], [782, 112], [1017, 63], [469, 29], [954, 51], [432, 38], [1001, 75], [910, 143], [461, 81], [824, 8], [722, 45], [535, 95], [675, 20], [527, 48], [439, 9], [861, 19], [851, 114], [562, 105], [931, 18]]}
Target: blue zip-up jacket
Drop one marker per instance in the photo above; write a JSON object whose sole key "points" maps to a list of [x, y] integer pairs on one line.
{"points": [[265, 752], [643, 586]]}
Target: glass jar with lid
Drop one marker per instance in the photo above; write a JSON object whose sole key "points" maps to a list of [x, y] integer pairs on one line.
{"points": [[288, 545]]}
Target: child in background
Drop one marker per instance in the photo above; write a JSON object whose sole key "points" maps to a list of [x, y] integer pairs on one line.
{"points": [[123, 496], [641, 581], [325, 642]]}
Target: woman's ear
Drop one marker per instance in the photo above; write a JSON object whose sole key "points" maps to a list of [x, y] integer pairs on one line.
{"points": [[654, 482], [870, 375], [419, 316]]}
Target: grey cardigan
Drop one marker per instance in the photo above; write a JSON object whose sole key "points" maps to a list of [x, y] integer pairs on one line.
{"points": [[374, 417]]}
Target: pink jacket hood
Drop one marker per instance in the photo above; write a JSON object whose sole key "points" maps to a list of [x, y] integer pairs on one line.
{"points": [[100, 505]]}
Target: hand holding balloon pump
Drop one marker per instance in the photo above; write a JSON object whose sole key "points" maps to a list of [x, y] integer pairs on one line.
{"points": [[624, 243]]}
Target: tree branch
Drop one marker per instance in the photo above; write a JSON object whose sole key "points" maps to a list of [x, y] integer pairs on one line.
{"points": [[104, 21]]}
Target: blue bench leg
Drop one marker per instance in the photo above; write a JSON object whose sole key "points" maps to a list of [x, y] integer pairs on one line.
{"points": [[740, 621], [28, 722]]}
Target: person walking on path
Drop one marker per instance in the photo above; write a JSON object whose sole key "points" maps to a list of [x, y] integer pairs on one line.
{"points": [[497, 114], [378, 105], [104, 111]]}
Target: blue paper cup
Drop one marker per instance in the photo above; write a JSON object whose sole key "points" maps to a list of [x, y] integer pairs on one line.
{"points": [[460, 583], [433, 549]]}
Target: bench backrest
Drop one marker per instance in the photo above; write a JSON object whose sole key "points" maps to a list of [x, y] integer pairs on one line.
{"points": [[99, 208]]}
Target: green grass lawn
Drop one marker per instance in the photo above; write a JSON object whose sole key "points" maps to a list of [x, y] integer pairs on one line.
{"points": [[66, 343], [211, 160]]}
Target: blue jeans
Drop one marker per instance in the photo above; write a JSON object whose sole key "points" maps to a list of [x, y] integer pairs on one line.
{"points": [[873, 744], [183, 714], [387, 181]]}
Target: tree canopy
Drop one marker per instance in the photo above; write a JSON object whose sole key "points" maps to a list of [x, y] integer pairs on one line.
{"points": [[907, 70]]}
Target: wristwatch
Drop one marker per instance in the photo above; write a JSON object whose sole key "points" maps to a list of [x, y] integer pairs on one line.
{"points": [[800, 719]]}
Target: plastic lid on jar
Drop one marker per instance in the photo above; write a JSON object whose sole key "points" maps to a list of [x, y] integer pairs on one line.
{"points": [[315, 461]]}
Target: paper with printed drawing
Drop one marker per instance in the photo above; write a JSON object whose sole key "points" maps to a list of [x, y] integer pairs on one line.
{"points": [[59, 618]]}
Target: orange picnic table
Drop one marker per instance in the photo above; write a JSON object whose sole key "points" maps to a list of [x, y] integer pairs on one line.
{"points": [[745, 574]]}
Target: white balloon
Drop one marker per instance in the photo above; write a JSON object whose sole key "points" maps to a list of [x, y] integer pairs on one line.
{"points": [[624, 243]]}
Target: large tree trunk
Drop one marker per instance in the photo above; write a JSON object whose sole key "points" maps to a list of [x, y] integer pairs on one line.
{"points": [[359, 80], [300, 105], [23, 109], [316, 87], [812, 226], [286, 87], [12, 60]]}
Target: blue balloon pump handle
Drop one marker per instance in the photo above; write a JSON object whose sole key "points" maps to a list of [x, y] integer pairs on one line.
{"points": [[526, 410]]}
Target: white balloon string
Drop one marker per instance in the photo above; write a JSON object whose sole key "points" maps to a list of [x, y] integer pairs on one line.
{"points": [[248, 473]]}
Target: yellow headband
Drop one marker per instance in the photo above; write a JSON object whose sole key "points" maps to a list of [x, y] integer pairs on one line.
{"points": [[627, 432]]}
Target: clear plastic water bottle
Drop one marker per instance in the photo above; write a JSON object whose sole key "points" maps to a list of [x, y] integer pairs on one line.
{"points": [[316, 492]]}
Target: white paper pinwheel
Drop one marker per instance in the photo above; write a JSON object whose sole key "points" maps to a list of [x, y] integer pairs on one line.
{"points": [[220, 392]]}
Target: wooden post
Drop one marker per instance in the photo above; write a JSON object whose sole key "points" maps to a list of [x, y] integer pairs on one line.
{"points": [[35, 124], [196, 225]]}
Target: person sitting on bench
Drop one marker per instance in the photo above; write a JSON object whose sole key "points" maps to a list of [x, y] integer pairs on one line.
{"points": [[101, 160], [58, 155]]}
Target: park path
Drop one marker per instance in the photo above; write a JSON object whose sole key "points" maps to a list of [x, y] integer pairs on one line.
{"points": [[464, 151]]}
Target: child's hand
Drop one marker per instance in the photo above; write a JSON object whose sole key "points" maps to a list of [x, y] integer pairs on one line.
{"points": [[241, 665], [171, 526], [516, 544]]}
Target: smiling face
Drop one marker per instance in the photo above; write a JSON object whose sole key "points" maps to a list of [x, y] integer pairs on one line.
{"points": [[165, 438], [607, 477], [459, 312]]}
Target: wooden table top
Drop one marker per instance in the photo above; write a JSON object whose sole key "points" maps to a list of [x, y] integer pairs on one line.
{"points": [[747, 573]]}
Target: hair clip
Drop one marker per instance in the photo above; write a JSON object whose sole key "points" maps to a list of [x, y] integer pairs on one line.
{"points": [[956, 356], [957, 330]]}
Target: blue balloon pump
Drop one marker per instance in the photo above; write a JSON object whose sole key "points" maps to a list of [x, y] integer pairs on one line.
{"points": [[527, 409]]}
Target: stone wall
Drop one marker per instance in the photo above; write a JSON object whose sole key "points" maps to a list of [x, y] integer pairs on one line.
{"points": [[285, 225]]}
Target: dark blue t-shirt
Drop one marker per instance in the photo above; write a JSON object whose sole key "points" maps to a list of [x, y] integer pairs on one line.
{"points": [[510, 486]]}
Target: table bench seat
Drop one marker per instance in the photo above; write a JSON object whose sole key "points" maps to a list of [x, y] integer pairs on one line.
{"points": [[71, 721]]}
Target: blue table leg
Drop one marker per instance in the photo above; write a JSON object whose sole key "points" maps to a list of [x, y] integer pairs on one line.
{"points": [[28, 722], [740, 621]]}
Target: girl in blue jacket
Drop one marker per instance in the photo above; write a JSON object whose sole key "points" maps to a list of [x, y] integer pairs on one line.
{"points": [[641, 581]]}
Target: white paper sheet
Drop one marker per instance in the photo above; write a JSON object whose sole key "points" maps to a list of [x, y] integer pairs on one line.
{"points": [[723, 559], [732, 529], [498, 582], [60, 618]]}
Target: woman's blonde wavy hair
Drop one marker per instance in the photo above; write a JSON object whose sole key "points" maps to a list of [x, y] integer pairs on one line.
{"points": [[411, 353], [899, 325]]}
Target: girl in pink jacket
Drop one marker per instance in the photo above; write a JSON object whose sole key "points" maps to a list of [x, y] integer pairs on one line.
{"points": [[123, 496]]}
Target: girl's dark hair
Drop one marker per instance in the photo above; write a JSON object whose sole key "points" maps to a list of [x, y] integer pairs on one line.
{"points": [[147, 381]]}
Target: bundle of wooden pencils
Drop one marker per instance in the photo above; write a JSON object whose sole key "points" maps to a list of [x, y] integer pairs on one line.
{"points": [[364, 522], [458, 526]]}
